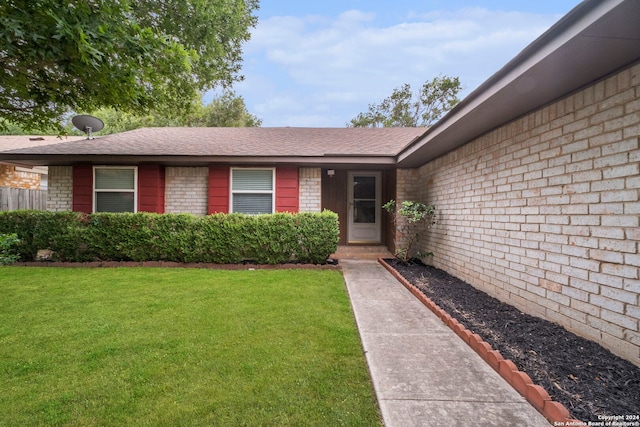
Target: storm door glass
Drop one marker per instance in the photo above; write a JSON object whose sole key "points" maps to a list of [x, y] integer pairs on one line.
{"points": [[364, 199]]}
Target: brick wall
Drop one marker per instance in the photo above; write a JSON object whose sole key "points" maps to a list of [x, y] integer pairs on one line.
{"points": [[408, 188], [186, 190], [60, 193], [543, 212], [310, 189], [10, 177]]}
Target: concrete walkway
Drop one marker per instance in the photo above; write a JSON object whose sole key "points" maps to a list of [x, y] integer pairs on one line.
{"points": [[423, 373]]}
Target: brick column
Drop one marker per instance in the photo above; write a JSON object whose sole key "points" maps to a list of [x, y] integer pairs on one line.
{"points": [[310, 190], [60, 191]]}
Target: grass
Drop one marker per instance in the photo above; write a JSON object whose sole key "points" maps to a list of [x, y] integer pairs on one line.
{"points": [[185, 347]]}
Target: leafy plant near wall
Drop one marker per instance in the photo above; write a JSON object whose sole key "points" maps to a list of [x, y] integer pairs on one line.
{"points": [[412, 220], [8, 253]]}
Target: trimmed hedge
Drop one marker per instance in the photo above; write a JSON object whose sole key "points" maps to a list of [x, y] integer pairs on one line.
{"points": [[218, 238]]}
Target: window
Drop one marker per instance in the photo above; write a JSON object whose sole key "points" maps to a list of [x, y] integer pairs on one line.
{"points": [[114, 189], [252, 191]]}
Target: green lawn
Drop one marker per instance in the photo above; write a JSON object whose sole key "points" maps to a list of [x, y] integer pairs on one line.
{"points": [[187, 347]]}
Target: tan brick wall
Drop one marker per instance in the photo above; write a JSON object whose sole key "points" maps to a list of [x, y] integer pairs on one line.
{"points": [[543, 213], [60, 192], [186, 190], [407, 183], [310, 193], [10, 177], [407, 188]]}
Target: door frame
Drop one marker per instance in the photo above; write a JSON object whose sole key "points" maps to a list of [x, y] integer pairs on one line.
{"points": [[376, 227]]}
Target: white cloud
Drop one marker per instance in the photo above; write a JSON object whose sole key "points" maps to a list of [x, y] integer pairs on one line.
{"points": [[314, 71]]}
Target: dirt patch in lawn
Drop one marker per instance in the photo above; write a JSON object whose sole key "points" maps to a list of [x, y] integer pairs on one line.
{"points": [[582, 375]]}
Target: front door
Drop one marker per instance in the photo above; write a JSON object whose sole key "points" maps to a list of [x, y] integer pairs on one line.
{"points": [[364, 225]]}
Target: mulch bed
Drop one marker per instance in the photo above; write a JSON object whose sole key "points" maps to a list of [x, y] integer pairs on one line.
{"points": [[582, 375]]}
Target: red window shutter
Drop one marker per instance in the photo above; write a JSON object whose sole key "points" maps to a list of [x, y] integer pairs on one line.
{"points": [[82, 188], [151, 188], [287, 191], [219, 181]]}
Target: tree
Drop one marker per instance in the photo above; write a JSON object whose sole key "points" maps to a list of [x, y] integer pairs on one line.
{"points": [[133, 55], [116, 121], [406, 109], [226, 110], [8, 128]]}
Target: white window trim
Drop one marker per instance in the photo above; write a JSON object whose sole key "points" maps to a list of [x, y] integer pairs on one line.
{"points": [[272, 192], [134, 191]]}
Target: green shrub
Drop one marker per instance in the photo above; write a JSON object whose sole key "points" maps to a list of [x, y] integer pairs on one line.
{"points": [[219, 238], [37, 229], [318, 235], [412, 220], [8, 243]]}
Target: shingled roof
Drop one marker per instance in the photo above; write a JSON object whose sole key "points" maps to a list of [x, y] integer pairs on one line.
{"points": [[182, 145], [15, 142]]}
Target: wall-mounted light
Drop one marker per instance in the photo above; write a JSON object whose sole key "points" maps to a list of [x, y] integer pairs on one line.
{"points": [[331, 172]]}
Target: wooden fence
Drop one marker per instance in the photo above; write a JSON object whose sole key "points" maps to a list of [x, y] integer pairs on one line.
{"points": [[12, 199]]}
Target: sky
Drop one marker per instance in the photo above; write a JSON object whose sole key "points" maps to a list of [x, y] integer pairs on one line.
{"points": [[320, 63]]}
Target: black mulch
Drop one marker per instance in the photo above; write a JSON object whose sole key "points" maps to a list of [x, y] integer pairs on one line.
{"points": [[582, 375]]}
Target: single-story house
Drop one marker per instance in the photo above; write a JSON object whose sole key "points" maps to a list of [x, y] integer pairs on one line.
{"points": [[535, 176], [249, 170]]}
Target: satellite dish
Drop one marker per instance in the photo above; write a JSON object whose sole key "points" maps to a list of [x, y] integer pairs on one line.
{"points": [[87, 124]]}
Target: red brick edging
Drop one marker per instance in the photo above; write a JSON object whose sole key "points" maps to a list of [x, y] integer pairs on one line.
{"points": [[555, 412]]}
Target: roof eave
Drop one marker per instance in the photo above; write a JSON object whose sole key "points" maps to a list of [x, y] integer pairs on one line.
{"points": [[329, 160], [570, 55]]}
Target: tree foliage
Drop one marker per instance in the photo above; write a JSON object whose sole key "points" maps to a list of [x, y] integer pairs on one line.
{"points": [[226, 110], [132, 55], [404, 108]]}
